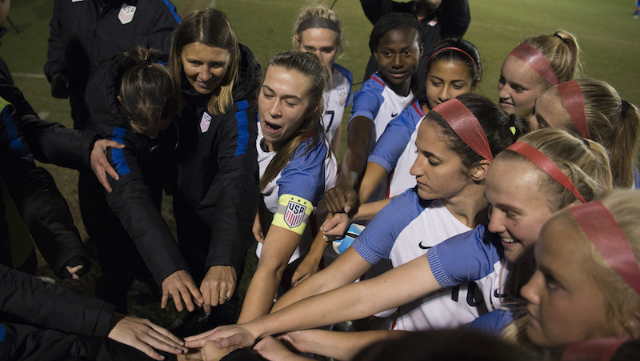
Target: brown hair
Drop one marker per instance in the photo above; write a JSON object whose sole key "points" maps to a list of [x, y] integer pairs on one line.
{"points": [[146, 90], [309, 65], [209, 27], [494, 121]]}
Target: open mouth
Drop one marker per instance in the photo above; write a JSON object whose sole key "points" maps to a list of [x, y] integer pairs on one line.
{"points": [[508, 240], [271, 127]]}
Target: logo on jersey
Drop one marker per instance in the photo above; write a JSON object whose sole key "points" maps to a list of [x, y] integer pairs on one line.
{"points": [[393, 115], [499, 295], [294, 215], [205, 122], [423, 247], [126, 13], [342, 94]]}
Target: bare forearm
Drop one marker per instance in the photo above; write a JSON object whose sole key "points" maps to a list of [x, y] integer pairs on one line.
{"points": [[369, 210], [374, 174], [259, 298], [343, 345]]}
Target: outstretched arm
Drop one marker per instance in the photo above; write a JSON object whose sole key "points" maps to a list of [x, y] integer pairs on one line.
{"points": [[354, 301], [354, 160], [337, 345]]}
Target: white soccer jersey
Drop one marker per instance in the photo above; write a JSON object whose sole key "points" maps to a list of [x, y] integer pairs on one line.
{"points": [[336, 99], [474, 256], [401, 179], [308, 175], [379, 103], [404, 230]]}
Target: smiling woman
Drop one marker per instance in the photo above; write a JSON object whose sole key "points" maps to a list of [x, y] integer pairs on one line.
{"points": [[535, 65], [217, 193]]}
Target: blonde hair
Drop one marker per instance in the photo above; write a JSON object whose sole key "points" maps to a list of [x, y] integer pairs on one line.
{"points": [[209, 27], [621, 299], [617, 130], [316, 11], [585, 162], [561, 50]]}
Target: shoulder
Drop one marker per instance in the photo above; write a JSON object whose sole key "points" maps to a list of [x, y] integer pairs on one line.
{"points": [[374, 84], [344, 72]]}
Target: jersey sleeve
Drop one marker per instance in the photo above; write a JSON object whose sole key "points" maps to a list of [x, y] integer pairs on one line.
{"points": [[367, 100], [376, 241], [396, 136], [493, 322], [465, 257], [304, 175]]}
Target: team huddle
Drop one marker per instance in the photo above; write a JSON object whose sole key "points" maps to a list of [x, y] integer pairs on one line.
{"points": [[452, 226]]}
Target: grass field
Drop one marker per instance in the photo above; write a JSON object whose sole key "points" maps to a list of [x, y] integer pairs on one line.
{"points": [[605, 30]]}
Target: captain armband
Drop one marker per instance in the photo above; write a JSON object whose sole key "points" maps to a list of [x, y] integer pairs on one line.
{"points": [[293, 213]]}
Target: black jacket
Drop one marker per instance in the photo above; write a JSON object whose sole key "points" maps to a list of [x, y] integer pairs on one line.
{"points": [[32, 188], [218, 167], [41, 321], [83, 34], [145, 166]]}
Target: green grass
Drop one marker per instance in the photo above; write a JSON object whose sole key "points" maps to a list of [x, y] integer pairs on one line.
{"points": [[605, 30]]}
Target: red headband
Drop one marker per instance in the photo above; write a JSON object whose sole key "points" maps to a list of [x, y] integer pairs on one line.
{"points": [[466, 126], [536, 61], [547, 165], [603, 231], [475, 66], [598, 349], [573, 100]]}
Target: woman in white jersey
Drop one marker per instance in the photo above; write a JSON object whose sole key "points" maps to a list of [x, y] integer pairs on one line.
{"points": [[456, 145], [395, 42], [296, 167], [522, 197], [454, 68], [318, 30]]}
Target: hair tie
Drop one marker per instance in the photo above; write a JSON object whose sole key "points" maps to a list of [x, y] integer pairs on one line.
{"points": [[559, 37], [465, 125], [475, 66], [604, 232], [512, 123], [536, 61], [625, 107], [546, 165], [573, 100], [317, 22]]}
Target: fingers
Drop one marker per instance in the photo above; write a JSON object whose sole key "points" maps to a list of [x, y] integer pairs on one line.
{"points": [[336, 226], [198, 340], [233, 340], [257, 233], [74, 270]]}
